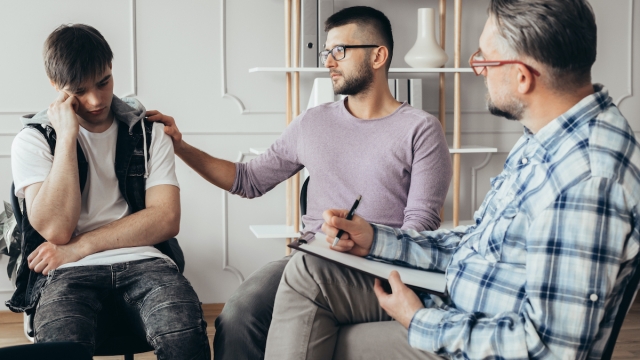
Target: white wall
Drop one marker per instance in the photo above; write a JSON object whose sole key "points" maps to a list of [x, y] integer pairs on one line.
{"points": [[181, 48]]}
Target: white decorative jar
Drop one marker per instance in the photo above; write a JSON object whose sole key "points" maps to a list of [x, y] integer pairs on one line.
{"points": [[426, 53]]}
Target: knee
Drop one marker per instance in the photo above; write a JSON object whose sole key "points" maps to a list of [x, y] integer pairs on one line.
{"points": [[243, 309], [191, 343], [306, 267]]}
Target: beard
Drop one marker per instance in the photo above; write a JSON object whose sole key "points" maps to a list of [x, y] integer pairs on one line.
{"points": [[510, 111], [510, 108], [360, 81]]}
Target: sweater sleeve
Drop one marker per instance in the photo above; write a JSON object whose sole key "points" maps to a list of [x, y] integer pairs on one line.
{"points": [[278, 163], [430, 177]]}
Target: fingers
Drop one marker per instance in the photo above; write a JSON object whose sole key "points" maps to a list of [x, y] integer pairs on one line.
{"points": [[327, 215], [170, 130], [155, 115], [342, 245], [396, 282], [380, 293], [73, 102], [33, 254], [62, 96], [40, 266], [350, 226]]}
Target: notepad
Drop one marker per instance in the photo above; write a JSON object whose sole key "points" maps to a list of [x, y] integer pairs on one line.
{"points": [[419, 280]]}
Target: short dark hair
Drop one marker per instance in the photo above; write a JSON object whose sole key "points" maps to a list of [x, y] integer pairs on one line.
{"points": [[559, 34], [368, 19], [74, 54]]}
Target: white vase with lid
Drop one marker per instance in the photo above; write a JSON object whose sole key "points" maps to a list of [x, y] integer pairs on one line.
{"points": [[426, 53]]}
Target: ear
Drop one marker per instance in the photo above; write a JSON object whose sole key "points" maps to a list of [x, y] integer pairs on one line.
{"points": [[54, 85], [526, 79], [379, 57], [110, 67]]}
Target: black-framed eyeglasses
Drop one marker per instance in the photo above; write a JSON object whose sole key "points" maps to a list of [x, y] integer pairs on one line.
{"points": [[340, 51]]}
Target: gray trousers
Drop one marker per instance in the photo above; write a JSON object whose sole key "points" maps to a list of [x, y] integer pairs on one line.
{"points": [[241, 328], [163, 307], [325, 311]]}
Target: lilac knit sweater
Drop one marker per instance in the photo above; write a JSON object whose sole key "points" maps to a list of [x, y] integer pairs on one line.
{"points": [[400, 164]]}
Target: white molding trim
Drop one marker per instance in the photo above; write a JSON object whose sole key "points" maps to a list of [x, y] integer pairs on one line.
{"points": [[223, 62], [225, 229], [134, 64], [134, 51], [630, 84]]}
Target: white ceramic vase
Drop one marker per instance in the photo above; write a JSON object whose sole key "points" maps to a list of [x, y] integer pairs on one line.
{"points": [[426, 53]]}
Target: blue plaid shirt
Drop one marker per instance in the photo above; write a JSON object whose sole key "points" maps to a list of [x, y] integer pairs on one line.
{"points": [[541, 273]]}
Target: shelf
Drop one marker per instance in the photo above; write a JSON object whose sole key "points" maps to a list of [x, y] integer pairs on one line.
{"points": [[391, 71], [257, 151], [273, 231], [469, 149]]}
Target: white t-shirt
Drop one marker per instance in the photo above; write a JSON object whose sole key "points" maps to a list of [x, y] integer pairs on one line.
{"points": [[102, 202]]}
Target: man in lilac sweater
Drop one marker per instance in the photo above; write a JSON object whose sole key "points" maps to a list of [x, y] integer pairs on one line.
{"points": [[393, 155]]}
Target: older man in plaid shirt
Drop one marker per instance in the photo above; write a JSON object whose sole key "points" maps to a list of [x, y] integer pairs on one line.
{"points": [[541, 273]]}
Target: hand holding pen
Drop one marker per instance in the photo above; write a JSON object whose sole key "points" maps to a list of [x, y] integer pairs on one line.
{"points": [[349, 217], [358, 235]]}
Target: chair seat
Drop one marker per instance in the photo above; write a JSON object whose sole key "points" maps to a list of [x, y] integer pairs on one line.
{"points": [[117, 333], [123, 345]]}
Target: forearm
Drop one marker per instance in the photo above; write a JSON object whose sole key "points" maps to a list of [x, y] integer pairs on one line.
{"points": [[55, 208], [221, 173], [144, 228], [472, 336], [428, 250]]}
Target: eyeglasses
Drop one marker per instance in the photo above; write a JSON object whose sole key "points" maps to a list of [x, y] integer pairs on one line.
{"points": [[478, 64], [340, 51]]}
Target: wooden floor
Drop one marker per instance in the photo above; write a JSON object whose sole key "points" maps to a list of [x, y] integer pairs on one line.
{"points": [[627, 348]]}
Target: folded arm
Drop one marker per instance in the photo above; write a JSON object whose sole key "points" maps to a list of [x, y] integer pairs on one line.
{"points": [[53, 206], [159, 221]]}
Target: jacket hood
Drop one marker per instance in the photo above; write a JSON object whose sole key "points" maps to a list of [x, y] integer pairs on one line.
{"points": [[127, 110]]}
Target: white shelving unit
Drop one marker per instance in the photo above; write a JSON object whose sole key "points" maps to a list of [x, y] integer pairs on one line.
{"points": [[273, 231]]}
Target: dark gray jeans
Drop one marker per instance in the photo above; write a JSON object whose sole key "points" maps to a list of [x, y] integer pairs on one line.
{"points": [[151, 292], [243, 325]]}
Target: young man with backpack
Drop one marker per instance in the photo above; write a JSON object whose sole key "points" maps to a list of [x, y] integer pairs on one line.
{"points": [[101, 198]]}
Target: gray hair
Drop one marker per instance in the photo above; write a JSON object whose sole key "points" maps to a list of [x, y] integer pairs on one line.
{"points": [[560, 34]]}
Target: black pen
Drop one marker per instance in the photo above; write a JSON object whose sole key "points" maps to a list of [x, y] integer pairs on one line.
{"points": [[349, 217]]}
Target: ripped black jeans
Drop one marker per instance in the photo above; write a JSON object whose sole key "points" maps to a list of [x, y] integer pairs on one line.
{"points": [[152, 292]]}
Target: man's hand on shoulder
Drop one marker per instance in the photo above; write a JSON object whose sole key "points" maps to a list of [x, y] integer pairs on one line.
{"points": [[170, 128], [358, 235], [48, 256], [63, 117]]}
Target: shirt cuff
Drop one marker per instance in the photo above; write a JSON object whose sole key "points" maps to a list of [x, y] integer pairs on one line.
{"points": [[423, 329], [385, 245]]}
